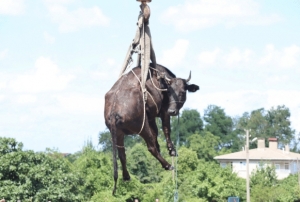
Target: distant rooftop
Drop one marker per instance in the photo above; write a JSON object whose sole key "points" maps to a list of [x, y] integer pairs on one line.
{"points": [[258, 154], [272, 153]]}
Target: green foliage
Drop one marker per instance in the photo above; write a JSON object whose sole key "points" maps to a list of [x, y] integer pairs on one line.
{"points": [[95, 171], [105, 141], [126, 191], [266, 187], [142, 164], [264, 175], [279, 124], [187, 161], [289, 188], [205, 144], [190, 123], [210, 182], [41, 176], [269, 123], [261, 193], [217, 122], [222, 126]]}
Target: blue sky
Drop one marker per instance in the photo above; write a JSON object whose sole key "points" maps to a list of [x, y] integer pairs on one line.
{"points": [[59, 57]]}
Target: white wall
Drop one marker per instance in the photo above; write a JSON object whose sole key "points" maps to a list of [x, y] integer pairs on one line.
{"points": [[239, 167]]}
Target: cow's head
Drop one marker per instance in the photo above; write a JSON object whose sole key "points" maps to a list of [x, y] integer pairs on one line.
{"points": [[177, 93]]}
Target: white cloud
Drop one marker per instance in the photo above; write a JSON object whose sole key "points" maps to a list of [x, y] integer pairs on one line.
{"points": [[209, 57], [199, 14], [110, 62], [77, 19], [270, 54], [49, 39], [2, 85], [237, 56], [11, 7], [45, 77], [174, 56], [288, 57], [2, 97], [100, 75], [3, 54], [233, 58], [277, 79], [81, 103], [26, 99]]}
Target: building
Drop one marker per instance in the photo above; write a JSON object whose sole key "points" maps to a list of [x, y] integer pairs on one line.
{"points": [[285, 162]]}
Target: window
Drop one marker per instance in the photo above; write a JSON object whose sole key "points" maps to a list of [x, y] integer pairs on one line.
{"points": [[261, 165], [277, 166], [242, 166], [223, 165], [295, 166], [286, 166]]}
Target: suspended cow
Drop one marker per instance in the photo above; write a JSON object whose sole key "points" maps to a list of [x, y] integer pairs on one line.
{"points": [[126, 113]]}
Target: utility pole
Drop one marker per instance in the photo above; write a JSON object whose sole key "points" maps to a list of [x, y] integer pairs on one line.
{"points": [[298, 170], [247, 166]]}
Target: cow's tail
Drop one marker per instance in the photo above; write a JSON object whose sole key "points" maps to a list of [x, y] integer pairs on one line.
{"points": [[114, 147]]}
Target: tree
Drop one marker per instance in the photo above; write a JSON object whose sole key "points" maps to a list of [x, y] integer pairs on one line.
{"points": [[266, 187], [222, 126], [105, 141], [142, 164], [279, 124], [27, 175], [210, 182], [256, 122], [295, 143], [264, 175], [205, 144], [189, 123], [268, 123], [95, 170]]}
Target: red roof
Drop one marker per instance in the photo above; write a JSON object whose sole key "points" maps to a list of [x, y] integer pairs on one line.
{"points": [[273, 139]]}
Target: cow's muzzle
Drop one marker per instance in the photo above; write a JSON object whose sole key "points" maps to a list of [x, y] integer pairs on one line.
{"points": [[172, 112]]}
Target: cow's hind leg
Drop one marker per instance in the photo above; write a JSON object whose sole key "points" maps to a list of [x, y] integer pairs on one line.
{"points": [[151, 141], [122, 156]]}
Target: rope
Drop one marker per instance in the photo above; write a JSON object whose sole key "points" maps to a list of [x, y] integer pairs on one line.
{"points": [[143, 102], [176, 197], [153, 102], [144, 99], [153, 82]]}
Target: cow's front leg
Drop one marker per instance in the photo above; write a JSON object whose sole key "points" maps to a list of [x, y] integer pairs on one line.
{"points": [[165, 119], [151, 140]]}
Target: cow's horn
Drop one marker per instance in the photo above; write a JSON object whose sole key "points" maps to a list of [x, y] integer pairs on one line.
{"points": [[189, 77]]}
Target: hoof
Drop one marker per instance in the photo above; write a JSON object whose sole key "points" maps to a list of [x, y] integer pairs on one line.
{"points": [[172, 153], [169, 167], [126, 179]]}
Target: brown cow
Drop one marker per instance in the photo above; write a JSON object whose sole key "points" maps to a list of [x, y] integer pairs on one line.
{"points": [[125, 112]]}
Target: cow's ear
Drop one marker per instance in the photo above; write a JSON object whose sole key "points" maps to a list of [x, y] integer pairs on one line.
{"points": [[192, 88]]}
